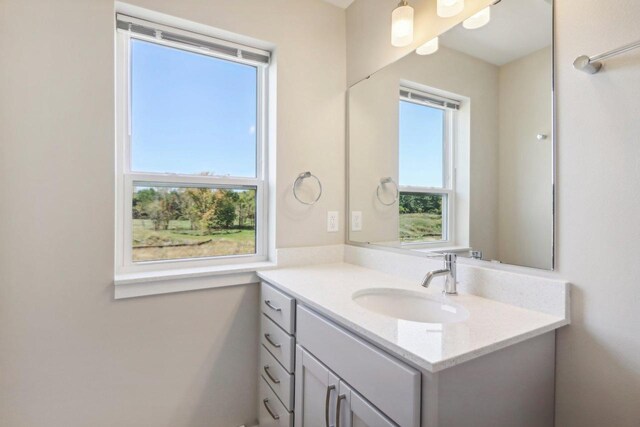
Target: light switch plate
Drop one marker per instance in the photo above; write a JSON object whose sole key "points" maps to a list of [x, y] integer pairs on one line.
{"points": [[332, 221], [356, 221]]}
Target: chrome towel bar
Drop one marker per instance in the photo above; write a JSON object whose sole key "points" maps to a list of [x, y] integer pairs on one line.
{"points": [[592, 64]]}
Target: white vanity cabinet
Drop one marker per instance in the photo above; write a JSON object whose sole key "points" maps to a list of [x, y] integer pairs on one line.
{"points": [[315, 372], [333, 370]]}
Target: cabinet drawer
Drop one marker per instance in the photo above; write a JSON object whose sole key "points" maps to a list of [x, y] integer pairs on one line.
{"points": [[272, 412], [388, 384], [277, 377], [278, 342], [279, 307]]}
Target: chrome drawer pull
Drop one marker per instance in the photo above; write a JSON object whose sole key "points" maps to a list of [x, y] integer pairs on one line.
{"points": [[271, 377], [340, 399], [269, 410], [268, 338], [326, 404], [271, 306]]}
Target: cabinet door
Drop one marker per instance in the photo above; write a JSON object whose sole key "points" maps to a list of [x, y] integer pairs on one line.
{"points": [[316, 389], [354, 411]]}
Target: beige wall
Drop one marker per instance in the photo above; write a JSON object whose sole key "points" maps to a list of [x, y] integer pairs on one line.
{"points": [[598, 376], [525, 212], [373, 154], [69, 354], [598, 368], [373, 144]]}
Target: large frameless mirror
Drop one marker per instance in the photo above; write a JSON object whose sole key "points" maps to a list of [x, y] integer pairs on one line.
{"points": [[452, 150]]}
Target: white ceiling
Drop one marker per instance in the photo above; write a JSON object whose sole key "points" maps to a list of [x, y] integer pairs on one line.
{"points": [[340, 3], [517, 28]]}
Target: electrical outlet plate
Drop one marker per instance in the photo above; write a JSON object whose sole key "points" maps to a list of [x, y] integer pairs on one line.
{"points": [[356, 221], [332, 221]]}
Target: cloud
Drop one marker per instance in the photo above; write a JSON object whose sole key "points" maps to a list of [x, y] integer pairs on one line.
{"points": [[252, 129]]}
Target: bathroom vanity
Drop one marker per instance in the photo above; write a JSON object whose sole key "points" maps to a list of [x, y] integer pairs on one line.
{"points": [[343, 345]]}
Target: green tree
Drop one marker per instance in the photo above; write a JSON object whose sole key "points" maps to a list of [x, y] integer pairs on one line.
{"points": [[164, 208], [185, 209], [141, 200], [246, 207], [154, 212], [201, 207], [420, 203], [172, 205], [225, 209]]}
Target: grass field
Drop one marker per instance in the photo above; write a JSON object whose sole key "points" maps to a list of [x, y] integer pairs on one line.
{"points": [[179, 241], [420, 227]]}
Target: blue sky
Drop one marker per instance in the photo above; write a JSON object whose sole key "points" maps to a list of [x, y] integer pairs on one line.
{"points": [[191, 113], [421, 133]]}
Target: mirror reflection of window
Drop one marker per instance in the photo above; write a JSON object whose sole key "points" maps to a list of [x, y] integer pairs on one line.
{"points": [[422, 144], [425, 159], [496, 194]]}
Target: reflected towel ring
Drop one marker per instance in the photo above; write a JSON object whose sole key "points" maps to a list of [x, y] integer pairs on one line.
{"points": [[298, 181], [384, 181]]}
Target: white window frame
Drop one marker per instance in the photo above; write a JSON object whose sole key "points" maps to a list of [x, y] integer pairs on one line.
{"points": [[448, 176], [126, 179]]}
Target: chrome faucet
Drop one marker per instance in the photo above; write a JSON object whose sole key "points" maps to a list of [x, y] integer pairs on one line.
{"points": [[449, 271]]}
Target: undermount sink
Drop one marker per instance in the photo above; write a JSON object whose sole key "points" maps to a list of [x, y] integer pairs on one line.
{"points": [[409, 305]]}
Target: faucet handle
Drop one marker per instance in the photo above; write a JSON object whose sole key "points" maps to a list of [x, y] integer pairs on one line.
{"points": [[434, 255], [446, 256]]}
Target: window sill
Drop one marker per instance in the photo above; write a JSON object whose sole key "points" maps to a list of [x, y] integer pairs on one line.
{"points": [[162, 282]]}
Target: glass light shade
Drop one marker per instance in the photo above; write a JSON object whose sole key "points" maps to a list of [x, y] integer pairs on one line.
{"points": [[402, 25], [478, 20], [449, 8], [429, 47]]}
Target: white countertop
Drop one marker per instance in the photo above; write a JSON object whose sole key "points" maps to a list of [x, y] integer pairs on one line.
{"points": [[328, 289]]}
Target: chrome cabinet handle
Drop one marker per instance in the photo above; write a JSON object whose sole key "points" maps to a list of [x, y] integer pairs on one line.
{"points": [[268, 338], [326, 404], [275, 416], [271, 377], [340, 399], [271, 306]]}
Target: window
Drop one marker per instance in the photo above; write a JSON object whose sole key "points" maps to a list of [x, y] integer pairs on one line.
{"points": [[191, 149], [426, 158]]}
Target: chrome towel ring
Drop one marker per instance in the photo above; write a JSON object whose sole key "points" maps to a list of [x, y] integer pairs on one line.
{"points": [[383, 182], [299, 180]]}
